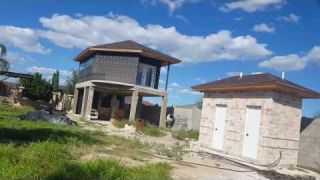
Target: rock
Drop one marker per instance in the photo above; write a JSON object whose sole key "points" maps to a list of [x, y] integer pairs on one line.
{"points": [[51, 117], [129, 129]]}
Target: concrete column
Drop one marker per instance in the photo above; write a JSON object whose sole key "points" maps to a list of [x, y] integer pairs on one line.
{"points": [[134, 102], [163, 112], [75, 100], [84, 102], [139, 107], [89, 102]]}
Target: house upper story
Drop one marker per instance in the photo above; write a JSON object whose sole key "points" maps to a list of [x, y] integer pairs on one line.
{"points": [[125, 62]]}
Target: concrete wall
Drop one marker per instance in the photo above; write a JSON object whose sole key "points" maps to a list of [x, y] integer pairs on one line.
{"points": [[279, 128], [187, 118], [309, 147]]}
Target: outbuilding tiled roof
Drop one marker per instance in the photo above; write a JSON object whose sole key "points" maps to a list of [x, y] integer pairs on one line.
{"points": [[257, 82]]}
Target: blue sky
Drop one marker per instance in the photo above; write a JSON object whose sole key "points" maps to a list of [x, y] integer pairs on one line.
{"points": [[214, 39]]}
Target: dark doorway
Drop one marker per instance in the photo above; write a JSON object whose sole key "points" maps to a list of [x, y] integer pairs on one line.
{"points": [[79, 102]]}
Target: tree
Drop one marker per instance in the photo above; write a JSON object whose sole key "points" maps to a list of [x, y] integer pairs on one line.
{"points": [[38, 88], [4, 64], [55, 81], [71, 82]]}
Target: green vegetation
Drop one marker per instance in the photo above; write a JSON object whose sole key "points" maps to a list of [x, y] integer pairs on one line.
{"points": [[4, 64], [55, 81], [176, 151], [152, 130], [184, 135], [39, 150], [71, 82], [38, 88]]}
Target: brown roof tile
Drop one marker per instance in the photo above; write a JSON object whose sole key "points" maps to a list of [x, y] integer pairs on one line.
{"points": [[257, 82], [129, 46]]}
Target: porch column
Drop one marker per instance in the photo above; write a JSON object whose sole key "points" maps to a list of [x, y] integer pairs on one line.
{"points": [[84, 102], [134, 102], [163, 112], [139, 107], [89, 102], [75, 100]]}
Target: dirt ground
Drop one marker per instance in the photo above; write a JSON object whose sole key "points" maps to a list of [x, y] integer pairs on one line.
{"points": [[200, 167]]}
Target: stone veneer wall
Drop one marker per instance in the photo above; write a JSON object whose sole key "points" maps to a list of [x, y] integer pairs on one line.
{"points": [[280, 124]]}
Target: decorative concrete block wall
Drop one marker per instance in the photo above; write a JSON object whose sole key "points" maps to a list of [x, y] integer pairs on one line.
{"points": [[279, 127]]}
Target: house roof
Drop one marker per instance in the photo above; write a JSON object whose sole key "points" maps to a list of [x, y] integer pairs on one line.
{"points": [[128, 47], [256, 82]]}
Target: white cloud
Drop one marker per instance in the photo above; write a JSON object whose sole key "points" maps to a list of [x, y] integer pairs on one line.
{"points": [[252, 5], [172, 4], [186, 91], [233, 73], [200, 80], [181, 17], [83, 31], [163, 70], [290, 18], [290, 62], [263, 28], [314, 54], [174, 84], [47, 72], [16, 58], [162, 81], [23, 38]]}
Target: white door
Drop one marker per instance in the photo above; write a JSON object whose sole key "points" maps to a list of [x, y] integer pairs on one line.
{"points": [[251, 138], [219, 126]]}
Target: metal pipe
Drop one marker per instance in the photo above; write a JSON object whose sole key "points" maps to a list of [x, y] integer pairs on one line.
{"points": [[167, 79]]}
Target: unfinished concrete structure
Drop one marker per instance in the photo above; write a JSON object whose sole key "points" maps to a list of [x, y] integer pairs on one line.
{"points": [[110, 73], [253, 117]]}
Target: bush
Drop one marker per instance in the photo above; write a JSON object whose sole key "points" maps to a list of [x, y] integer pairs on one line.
{"points": [[183, 135]]}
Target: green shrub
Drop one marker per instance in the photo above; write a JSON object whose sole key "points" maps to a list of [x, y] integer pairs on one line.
{"points": [[152, 130], [183, 135]]}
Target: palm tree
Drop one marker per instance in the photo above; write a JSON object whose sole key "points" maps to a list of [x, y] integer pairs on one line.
{"points": [[4, 64]]}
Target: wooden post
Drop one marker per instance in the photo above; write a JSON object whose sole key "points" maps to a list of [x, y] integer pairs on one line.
{"points": [[89, 102], [134, 102], [163, 112], [75, 101]]}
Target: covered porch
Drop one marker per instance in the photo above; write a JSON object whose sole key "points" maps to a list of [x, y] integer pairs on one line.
{"points": [[107, 97]]}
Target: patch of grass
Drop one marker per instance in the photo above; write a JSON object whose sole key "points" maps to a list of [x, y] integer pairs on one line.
{"points": [[32, 161], [121, 124], [176, 151], [152, 130], [39, 150], [183, 135], [111, 170]]}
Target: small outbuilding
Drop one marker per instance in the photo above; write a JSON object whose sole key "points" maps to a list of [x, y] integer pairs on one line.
{"points": [[253, 117]]}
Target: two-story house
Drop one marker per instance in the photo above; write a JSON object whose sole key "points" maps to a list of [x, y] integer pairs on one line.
{"points": [[111, 72]]}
